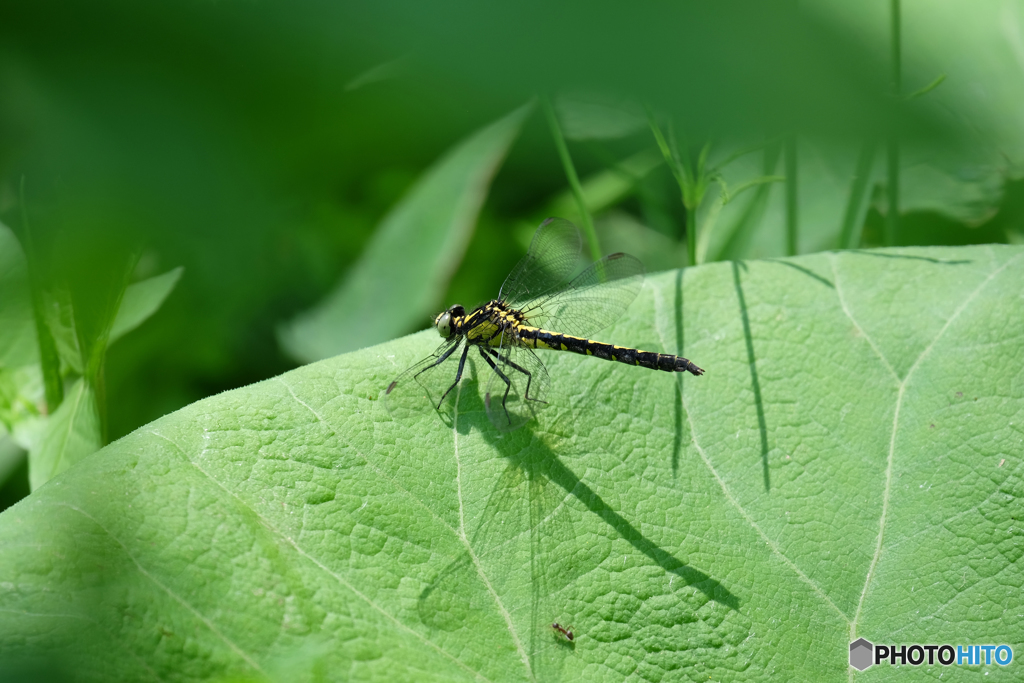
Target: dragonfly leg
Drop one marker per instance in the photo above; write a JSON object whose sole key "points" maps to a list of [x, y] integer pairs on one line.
{"points": [[506, 380], [529, 375], [440, 360], [458, 375], [443, 358]]}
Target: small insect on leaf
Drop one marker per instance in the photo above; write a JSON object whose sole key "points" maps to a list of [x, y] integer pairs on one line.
{"points": [[563, 632]]}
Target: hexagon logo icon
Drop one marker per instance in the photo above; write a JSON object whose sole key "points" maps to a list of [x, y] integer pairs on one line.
{"points": [[861, 654]]}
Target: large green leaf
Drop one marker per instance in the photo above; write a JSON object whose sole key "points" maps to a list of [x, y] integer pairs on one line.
{"points": [[406, 267], [849, 466]]}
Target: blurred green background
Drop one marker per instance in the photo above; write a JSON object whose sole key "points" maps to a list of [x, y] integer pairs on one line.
{"points": [[329, 174]]}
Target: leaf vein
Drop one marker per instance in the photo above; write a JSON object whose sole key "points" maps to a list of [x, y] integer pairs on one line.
{"points": [[380, 473], [772, 545], [892, 439], [337, 577], [469, 546], [174, 596], [849, 314]]}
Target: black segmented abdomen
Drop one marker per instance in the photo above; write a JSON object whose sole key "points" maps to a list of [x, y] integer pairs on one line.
{"points": [[587, 347]]}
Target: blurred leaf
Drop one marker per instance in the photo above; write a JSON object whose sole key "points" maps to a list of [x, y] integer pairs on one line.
{"points": [[968, 195], [620, 231], [21, 404], [404, 270], [141, 300], [976, 52], [606, 188], [71, 434], [11, 456], [743, 217], [827, 173], [979, 50], [18, 346], [21, 381], [96, 284], [73, 430], [591, 116], [59, 314], [707, 220], [745, 67], [377, 74], [695, 517]]}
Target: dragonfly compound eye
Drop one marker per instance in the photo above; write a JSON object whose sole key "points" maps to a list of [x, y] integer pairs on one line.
{"points": [[444, 324]]}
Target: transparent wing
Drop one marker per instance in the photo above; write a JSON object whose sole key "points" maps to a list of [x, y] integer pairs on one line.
{"points": [[592, 301], [424, 385], [511, 404], [526, 516], [553, 255]]}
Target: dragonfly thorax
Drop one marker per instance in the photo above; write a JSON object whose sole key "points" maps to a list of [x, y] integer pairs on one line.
{"points": [[443, 321]]}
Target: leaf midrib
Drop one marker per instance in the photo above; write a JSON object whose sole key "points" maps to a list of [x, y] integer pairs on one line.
{"points": [[280, 535], [464, 539], [895, 425], [901, 386]]}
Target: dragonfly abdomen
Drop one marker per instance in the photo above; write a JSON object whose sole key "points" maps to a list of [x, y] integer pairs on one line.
{"points": [[543, 339]]}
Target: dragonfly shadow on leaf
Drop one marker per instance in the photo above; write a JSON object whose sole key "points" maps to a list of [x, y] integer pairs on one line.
{"points": [[755, 382], [421, 399], [526, 558], [806, 271], [558, 473], [522, 549], [910, 257]]}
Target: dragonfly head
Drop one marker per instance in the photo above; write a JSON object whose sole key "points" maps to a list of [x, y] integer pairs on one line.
{"points": [[443, 322]]}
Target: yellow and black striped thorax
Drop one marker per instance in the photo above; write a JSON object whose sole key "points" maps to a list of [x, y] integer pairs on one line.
{"points": [[496, 324]]}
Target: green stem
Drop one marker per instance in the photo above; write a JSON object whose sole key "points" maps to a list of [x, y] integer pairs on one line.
{"points": [[680, 173], [791, 196], [849, 237], [49, 359], [666, 152], [894, 9], [691, 236], [892, 219], [574, 181], [928, 88], [96, 360]]}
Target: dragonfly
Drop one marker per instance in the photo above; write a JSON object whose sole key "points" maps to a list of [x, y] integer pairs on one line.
{"points": [[538, 308]]}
